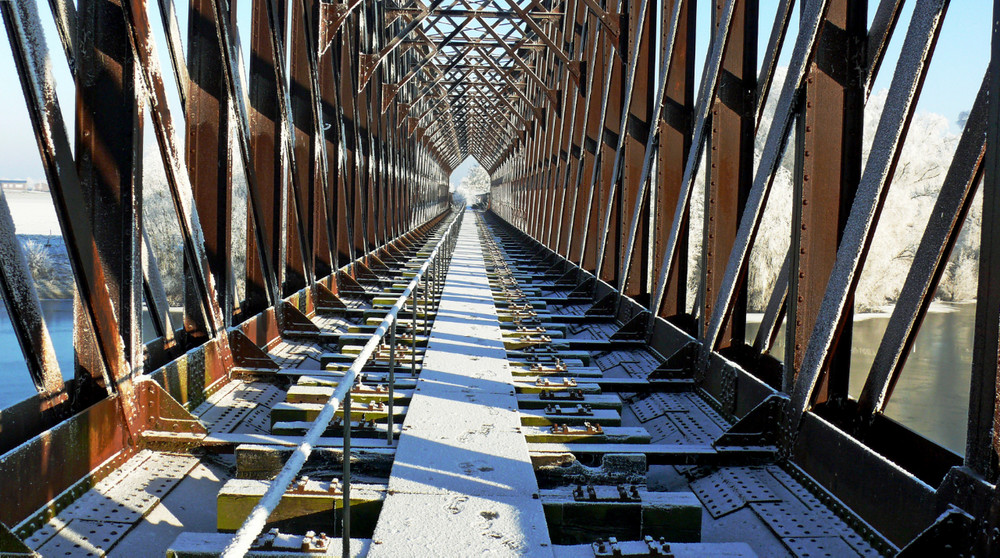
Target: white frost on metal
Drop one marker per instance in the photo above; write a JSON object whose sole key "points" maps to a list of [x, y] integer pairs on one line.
{"points": [[899, 106], [28, 25], [258, 516], [462, 482], [706, 93], [774, 148]]}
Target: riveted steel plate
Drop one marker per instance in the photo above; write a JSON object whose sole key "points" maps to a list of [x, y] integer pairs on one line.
{"points": [[331, 323], [662, 430], [658, 404], [626, 363], [808, 499], [96, 502], [40, 536], [83, 537], [753, 484], [258, 421], [207, 405], [131, 499], [859, 545], [595, 331], [795, 487], [230, 410], [709, 411], [695, 428], [728, 490], [574, 309], [790, 518], [812, 547], [718, 497]]}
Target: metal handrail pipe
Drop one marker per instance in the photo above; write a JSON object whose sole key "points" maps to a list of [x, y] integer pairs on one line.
{"points": [[255, 522]]}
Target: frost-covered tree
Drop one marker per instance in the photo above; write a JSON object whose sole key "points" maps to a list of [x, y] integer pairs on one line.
{"points": [[475, 183], [914, 189], [917, 181]]}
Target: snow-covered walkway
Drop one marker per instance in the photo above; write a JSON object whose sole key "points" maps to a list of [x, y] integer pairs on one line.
{"points": [[462, 482]]}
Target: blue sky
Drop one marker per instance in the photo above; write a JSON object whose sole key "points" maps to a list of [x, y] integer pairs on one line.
{"points": [[956, 71]]}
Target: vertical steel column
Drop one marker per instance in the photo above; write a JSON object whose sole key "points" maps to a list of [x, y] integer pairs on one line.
{"points": [[356, 160], [675, 143], [362, 111], [109, 162], [636, 280], [265, 142], [208, 158], [983, 439], [587, 206], [310, 194], [730, 161], [298, 226], [558, 128], [605, 197], [829, 148], [587, 145], [376, 129], [327, 58], [583, 36]]}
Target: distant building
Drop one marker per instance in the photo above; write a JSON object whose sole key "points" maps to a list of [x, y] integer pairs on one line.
{"points": [[13, 185], [25, 185]]}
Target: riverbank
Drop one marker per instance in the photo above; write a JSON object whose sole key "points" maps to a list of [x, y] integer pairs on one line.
{"points": [[49, 265], [38, 230]]}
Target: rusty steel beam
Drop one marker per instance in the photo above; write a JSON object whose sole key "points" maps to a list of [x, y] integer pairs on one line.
{"points": [[674, 73], [209, 156], [805, 45], [109, 114], [981, 448], [953, 204], [675, 129], [168, 14], [26, 319], [706, 95], [729, 157], [303, 172], [637, 46], [265, 133], [911, 70], [829, 151], [370, 62], [596, 136], [23, 25]]}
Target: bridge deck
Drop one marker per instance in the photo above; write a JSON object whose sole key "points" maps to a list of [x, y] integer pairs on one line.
{"points": [[462, 481], [478, 466]]}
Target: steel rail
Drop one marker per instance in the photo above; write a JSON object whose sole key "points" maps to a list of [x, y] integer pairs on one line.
{"points": [[254, 523]]}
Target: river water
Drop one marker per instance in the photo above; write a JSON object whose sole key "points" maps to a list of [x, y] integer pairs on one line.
{"points": [[931, 397], [932, 394]]}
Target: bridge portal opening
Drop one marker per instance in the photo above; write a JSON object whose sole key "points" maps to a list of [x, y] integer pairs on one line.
{"points": [[470, 182]]}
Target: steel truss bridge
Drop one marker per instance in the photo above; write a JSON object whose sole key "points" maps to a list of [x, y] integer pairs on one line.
{"points": [[361, 367]]}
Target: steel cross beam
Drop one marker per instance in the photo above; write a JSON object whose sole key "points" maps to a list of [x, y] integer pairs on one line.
{"points": [[528, 70], [417, 119], [453, 12], [452, 64], [389, 90], [430, 39], [574, 66], [514, 110], [369, 62], [510, 84]]}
